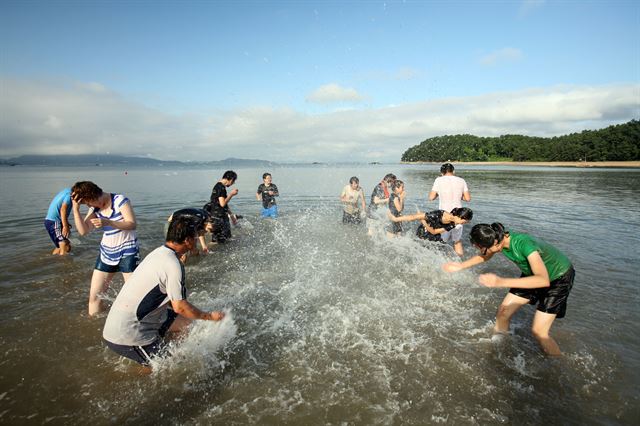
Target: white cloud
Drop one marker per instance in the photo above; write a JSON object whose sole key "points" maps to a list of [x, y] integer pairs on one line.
{"points": [[333, 93], [48, 119], [507, 54]]}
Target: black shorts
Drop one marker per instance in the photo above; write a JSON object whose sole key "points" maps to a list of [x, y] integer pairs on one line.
{"points": [[552, 299], [221, 229], [351, 218]]}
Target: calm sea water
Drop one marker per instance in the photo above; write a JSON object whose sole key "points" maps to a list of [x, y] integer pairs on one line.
{"points": [[326, 324]]}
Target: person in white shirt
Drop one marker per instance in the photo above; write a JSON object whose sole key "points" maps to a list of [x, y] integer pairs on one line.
{"points": [[352, 197], [450, 190], [154, 299]]}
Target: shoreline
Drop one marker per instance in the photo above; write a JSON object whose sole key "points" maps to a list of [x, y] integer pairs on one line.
{"points": [[578, 164]]}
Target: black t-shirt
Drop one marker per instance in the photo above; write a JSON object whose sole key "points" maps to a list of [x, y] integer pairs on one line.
{"points": [[434, 219], [268, 200], [219, 190], [378, 191], [392, 205]]}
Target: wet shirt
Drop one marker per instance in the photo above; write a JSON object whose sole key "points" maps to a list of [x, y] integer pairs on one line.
{"points": [[140, 309], [116, 243], [392, 205], [378, 191], [267, 199], [63, 197], [353, 203], [434, 220], [450, 190], [522, 245], [219, 190]]}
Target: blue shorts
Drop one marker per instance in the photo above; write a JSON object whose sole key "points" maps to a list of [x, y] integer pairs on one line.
{"points": [[55, 231], [270, 212], [127, 264], [143, 354]]}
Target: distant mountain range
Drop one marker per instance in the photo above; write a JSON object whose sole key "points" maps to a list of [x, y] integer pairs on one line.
{"points": [[115, 160]]}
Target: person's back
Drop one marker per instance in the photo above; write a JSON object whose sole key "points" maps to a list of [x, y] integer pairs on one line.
{"points": [[450, 190]]}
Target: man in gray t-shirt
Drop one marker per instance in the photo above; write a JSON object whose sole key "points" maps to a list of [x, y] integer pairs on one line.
{"points": [[154, 299]]}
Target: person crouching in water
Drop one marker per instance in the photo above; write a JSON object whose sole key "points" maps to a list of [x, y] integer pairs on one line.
{"points": [[352, 198], [204, 223], [546, 280], [154, 300], [113, 214]]}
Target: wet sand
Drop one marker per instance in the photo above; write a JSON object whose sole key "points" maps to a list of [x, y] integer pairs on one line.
{"points": [[600, 164]]}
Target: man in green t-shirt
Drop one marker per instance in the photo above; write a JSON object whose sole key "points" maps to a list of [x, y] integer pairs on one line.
{"points": [[546, 280]]}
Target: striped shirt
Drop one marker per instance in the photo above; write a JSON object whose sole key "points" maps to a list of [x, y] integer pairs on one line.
{"points": [[116, 243]]}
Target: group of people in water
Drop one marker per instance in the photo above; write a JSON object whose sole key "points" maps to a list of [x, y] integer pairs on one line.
{"points": [[547, 274], [153, 302]]}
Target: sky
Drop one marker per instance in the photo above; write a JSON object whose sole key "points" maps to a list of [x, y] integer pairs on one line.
{"points": [[304, 81]]}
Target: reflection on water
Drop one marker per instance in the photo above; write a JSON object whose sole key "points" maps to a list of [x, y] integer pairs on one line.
{"points": [[327, 324]]}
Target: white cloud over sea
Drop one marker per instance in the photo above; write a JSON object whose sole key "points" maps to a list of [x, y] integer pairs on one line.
{"points": [[51, 118]]}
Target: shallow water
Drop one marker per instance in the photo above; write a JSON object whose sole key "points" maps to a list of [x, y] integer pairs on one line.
{"points": [[326, 324]]}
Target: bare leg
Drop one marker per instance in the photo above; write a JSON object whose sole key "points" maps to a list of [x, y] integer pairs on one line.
{"points": [[99, 284], [65, 248], [126, 275], [542, 322], [179, 326], [509, 306]]}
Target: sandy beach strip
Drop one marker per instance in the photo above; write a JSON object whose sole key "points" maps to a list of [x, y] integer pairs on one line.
{"points": [[601, 164]]}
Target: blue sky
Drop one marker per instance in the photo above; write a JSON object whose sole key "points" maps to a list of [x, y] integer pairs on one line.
{"points": [[307, 81]]}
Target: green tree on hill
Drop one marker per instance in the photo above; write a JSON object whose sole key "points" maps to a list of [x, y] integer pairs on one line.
{"points": [[615, 143]]}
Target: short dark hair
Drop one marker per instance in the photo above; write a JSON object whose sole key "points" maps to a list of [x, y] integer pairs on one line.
{"points": [[463, 213], [485, 235], [389, 177], [354, 179], [180, 229], [398, 183], [85, 190], [264, 175], [230, 175], [447, 168]]}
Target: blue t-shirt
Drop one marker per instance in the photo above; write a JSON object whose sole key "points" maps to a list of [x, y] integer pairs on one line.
{"points": [[63, 197]]}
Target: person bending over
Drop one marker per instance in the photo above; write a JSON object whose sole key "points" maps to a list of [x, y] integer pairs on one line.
{"points": [[154, 300], [546, 280], [113, 214]]}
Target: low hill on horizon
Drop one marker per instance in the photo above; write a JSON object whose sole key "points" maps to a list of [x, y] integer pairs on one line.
{"points": [[111, 160], [614, 143]]}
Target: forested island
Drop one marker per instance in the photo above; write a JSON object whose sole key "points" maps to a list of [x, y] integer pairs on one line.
{"points": [[615, 143]]}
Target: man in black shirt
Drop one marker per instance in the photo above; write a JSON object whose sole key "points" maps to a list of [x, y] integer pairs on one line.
{"points": [[219, 206]]}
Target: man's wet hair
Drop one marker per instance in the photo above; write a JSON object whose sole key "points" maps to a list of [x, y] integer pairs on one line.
{"points": [[86, 191], [230, 175], [446, 168], [390, 177], [180, 229], [264, 175]]}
